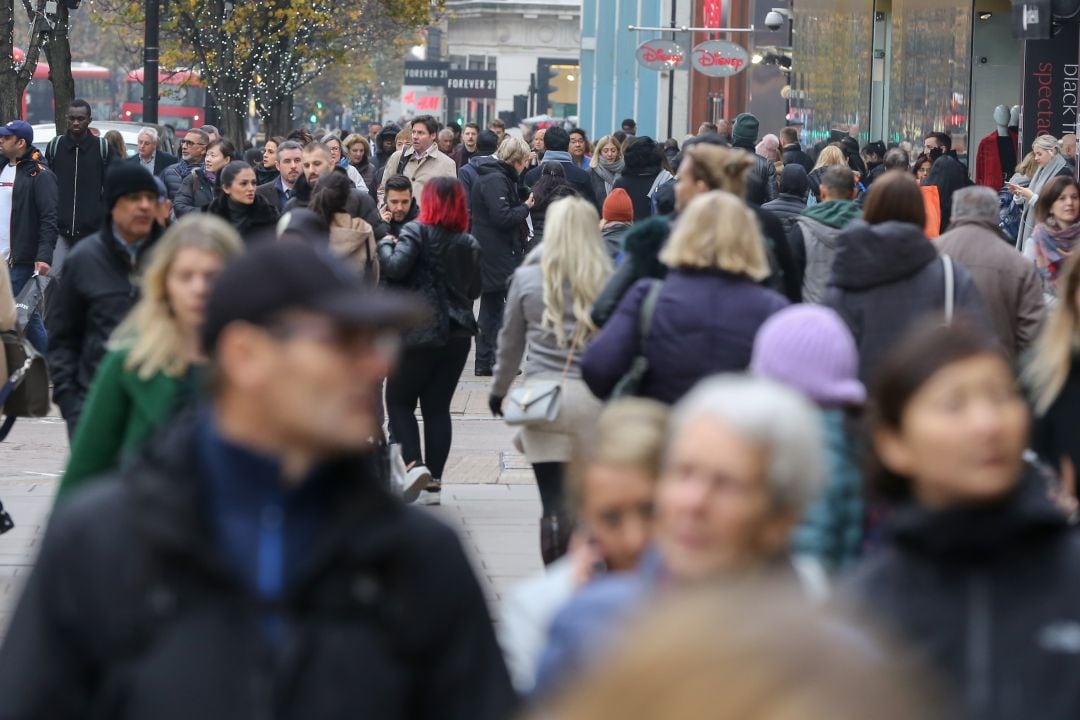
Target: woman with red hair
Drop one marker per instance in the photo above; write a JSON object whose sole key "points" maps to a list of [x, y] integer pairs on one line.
{"points": [[434, 257]]}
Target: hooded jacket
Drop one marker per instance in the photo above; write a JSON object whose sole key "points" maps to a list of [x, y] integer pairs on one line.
{"points": [[143, 614], [886, 277], [498, 223], [814, 241], [33, 211], [990, 596], [470, 171]]}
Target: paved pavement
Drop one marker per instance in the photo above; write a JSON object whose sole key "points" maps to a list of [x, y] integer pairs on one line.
{"points": [[489, 495]]}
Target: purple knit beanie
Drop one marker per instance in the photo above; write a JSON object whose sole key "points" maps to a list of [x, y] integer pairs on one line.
{"points": [[810, 349]]}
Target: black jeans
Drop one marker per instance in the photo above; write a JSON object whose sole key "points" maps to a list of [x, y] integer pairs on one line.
{"points": [[549, 480], [430, 376], [490, 320]]}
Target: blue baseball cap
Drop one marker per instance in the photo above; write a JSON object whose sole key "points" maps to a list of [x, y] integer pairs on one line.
{"points": [[19, 129]]}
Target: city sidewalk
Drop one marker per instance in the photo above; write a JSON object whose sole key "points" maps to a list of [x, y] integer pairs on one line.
{"points": [[489, 495]]}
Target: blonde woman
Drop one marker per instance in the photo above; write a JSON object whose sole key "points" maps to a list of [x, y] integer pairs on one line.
{"points": [[1053, 377], [547, 312], [606, 167], [154, 356], [706, 312], [829, 156], [359, 154]]}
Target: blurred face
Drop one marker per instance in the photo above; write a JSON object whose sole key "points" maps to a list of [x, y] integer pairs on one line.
{"points": [[10, 146], [538, 139], [421, 138], [577, 145], [714, 510], [356, 153], [686, 187], [930, 144], [289, 164], [211, 135], [1068, 146], [962, 435], [468, 138], [1043, 156], [188, 283], [242, 189], [193, 149], [78, 120], [335, 372], [316, 164], [335, 151], [147, 147], [498, 131], [1066, 209], [617, 510], [446, 143], [922, 171], [133, 215], [269, 156], [374, 129], [610, 153], [215, 159], [398, 203]]}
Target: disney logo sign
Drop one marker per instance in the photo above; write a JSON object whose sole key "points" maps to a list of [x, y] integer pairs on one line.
{"points": [[720, 58], [660, 55]]}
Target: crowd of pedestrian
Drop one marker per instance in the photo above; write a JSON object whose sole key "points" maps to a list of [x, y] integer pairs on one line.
{"points": [[803, 423]]}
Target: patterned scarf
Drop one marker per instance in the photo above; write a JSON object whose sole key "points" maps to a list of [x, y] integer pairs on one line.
{"points": [[1053, 245]]}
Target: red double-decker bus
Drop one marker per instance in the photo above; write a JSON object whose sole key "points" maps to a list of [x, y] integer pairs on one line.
{"points": [[91, 84], [181, 99]]}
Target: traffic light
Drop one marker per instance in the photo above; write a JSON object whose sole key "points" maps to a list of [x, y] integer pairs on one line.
{"points": [[318, 104], [313, 119], [548, 88]]}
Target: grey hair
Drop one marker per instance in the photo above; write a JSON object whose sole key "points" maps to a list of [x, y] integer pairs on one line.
{"points": [[975, 203], [1046, 142], [152, 132], [287, 145], [446, 132], [773, 417]]}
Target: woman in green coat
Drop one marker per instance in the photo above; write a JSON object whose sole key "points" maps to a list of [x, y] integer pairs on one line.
{"points": [[154, 355]]}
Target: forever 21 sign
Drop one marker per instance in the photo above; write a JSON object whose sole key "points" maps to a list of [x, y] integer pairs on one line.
{"points": [[472, 84]]}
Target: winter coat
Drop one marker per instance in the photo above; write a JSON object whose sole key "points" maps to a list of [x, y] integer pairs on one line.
{"points": [[832, 526], [577, 176], [353, 240], [434, 164], [761, 185], [989, 595], [442, 267], [886, 278], [367, 173], [126, 410], [948, 175], [600, 186], [195, 194], [1054, 435], [794, 154], [265, 175], [80, 180], [159, 624], [642, 243], [469, 172], [547, 190], [33, 211], [638, 188], [1008, 283], [395, 227], [704, 323], [814, 241], [359, 205], [174, 175], [613, 234], [273, 192], [101, 285], [787, 209], [498, 222], [258, 220], [786, 275]]}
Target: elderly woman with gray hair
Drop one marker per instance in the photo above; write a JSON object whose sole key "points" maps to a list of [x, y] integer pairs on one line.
{"points": [[1051, 163], [1008, 283]]}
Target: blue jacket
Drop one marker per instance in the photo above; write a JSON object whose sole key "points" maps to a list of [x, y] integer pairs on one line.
{"points": [[704, 323]]}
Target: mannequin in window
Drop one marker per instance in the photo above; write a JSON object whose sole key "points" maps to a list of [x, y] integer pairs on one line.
{"points": [[996, 158]]}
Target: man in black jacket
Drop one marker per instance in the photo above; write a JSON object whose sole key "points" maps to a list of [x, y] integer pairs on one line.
{"points": [[557, 149], [101, 285], [192, 154], [250, 563], [79, 160], [31, 223], [399, 208], [761, 180], [793, 152]]}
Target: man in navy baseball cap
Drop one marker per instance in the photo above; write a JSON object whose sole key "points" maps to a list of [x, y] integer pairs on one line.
{"points": [[19, 129]]}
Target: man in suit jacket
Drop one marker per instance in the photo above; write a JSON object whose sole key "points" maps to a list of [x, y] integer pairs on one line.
{"points": [[154, 160], [279, 191]]}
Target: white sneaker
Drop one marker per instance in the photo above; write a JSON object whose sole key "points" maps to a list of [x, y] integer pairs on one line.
{"points": [[398, 471], [416, 480], [432, 494]]}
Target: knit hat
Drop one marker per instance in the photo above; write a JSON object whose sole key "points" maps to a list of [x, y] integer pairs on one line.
{"points": [[127, 179], [618, 207], [810, 349], [745, 130], [794, 181]]}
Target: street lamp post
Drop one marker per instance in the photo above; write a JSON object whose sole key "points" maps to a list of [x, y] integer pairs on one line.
{"points": [[150, 64]]}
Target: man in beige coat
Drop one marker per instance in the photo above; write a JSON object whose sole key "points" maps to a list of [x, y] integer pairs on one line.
{"points": [[1008, 283], [420, 161]]}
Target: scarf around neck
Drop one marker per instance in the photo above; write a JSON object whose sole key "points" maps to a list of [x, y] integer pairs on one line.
{"points": [[1053, 246], [609, 171]]}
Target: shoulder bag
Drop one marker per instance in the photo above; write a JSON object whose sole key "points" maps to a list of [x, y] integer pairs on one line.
{"points": [[950, 289], [538, 403], [630, 383]]}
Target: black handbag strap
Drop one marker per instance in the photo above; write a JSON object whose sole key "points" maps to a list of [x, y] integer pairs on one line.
{"points": [[648, 309]]}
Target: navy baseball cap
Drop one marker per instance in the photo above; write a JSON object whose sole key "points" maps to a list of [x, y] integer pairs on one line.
{"points": [[19, 129], [274, 277]]}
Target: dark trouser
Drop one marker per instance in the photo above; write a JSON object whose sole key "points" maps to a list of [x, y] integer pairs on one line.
{"points": [[430, 376], [35, 329], [549, 480], [490, 320]]}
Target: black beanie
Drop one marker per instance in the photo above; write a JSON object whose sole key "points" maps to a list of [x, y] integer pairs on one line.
{"points": [[487, 143], [126, 178]]}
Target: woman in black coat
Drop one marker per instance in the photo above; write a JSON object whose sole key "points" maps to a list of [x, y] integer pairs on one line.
{"points": [[981, 577], [435, 258], [643, 172], [238, 204], [498, 224], [551, 186]]}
